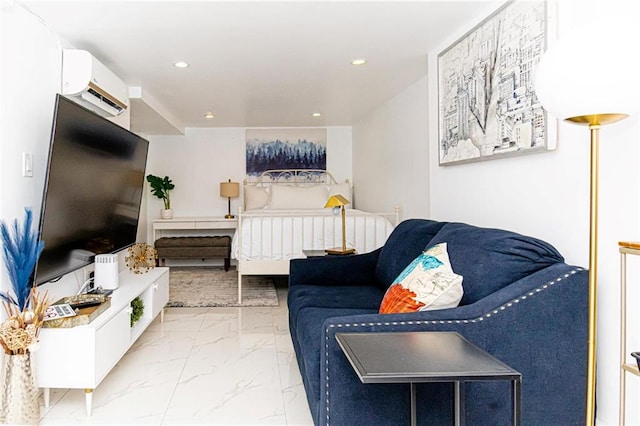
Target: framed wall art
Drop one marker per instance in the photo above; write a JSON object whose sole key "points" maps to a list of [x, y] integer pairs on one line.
{"points": [[269, 149], [487, 107]]}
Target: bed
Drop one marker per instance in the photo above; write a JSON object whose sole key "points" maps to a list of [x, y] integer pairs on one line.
{"points": [[283, 217]]}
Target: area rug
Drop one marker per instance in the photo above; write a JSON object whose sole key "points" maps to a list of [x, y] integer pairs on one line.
{"points": [[200, 286]]}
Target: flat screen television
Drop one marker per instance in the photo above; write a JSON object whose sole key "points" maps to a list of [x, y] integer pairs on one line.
{"points": [[92, 192]]}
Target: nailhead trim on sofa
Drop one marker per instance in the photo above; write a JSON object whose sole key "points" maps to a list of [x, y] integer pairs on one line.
{"points": [[401, 323]]}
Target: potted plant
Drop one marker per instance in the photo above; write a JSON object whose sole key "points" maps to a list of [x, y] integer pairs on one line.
{"points": [[137, 309], [160, 187]]}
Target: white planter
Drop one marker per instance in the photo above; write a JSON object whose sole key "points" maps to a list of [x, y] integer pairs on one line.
{"points": [[166, 213]]}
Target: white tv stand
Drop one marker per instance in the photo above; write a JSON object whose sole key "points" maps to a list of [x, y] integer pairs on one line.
{"points": [[80, 357]]}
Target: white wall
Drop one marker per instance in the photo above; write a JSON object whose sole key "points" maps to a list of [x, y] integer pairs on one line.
{"points": [[390, 151], [30, 78], [198, 161], [30, 60], [618, 220]]}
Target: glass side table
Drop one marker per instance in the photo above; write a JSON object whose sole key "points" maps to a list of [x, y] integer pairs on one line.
{"points": [[427, 357]]}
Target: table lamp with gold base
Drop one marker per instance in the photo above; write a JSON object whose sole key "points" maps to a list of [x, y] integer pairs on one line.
{"points": [[339, 201], [229, 190]]}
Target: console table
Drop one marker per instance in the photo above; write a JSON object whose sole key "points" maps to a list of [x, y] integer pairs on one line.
{"points": [[196, 224], [80, 357], [419, 357]]}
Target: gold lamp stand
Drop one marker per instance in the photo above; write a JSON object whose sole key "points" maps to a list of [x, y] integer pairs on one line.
{"points": [[340, 201], [587, 77], [594, 121]]}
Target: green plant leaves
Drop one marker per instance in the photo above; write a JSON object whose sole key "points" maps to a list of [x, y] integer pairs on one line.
{"points": [[160, 187], [137, 309]]}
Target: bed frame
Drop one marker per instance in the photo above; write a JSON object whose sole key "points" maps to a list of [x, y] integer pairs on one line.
{"points": [[297, 177], [291, 177]]}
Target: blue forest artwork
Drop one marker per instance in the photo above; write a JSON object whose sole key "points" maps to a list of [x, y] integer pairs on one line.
{"points": [[269, 149]]}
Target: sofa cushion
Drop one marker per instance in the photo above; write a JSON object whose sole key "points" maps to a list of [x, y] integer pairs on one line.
{"points": [[404, 244], [490, 259], [351, 297], [428, 283]]}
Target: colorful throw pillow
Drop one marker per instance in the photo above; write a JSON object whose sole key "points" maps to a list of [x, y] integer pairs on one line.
{"points": [[428, 283]]}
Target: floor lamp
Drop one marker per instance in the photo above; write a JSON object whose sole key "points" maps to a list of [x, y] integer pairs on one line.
{"points": [[584, 79]]}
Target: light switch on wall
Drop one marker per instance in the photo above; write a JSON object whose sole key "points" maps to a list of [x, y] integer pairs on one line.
{"points": [[27, 164]]}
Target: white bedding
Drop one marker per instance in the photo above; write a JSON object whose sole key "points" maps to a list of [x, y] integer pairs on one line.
{"points": [[269, 234]]}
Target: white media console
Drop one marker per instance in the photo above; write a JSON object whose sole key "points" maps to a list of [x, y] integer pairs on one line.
{"points": [[80, 357]]}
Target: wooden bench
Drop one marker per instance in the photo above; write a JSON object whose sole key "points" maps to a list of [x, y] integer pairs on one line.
{"points": [[216, 247]]}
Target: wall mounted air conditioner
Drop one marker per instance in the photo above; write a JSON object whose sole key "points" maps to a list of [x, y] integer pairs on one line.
{"points": [[88, 82]]}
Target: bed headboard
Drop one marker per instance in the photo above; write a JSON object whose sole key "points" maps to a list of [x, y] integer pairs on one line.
{"points": [[293, 177], [293, 189]]}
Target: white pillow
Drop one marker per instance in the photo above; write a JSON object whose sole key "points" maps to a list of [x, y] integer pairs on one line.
{"points": [[255, 197], [343, 189], [298, 197]]}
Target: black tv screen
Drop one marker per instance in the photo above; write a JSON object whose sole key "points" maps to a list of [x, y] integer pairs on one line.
{"points": [[92, 192]]}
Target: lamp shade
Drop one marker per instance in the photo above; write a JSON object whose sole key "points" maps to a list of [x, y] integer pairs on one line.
{"points": [[336, 201], [590, 71], [229, 189]]}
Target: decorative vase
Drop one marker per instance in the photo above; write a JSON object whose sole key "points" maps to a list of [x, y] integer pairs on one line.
{"points": [[19, 393], [166, 213]]}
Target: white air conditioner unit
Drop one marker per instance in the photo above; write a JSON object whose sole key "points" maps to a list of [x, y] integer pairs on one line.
{"points": [[88, 82]]}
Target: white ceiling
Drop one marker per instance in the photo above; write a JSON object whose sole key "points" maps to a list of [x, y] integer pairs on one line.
{"points": [[256, 64]]}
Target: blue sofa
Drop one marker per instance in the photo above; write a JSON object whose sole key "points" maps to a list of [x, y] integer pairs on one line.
{"points": [[521, 303]]}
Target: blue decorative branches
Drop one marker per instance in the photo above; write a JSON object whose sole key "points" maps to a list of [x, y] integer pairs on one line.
{"points": [[21, 250]]}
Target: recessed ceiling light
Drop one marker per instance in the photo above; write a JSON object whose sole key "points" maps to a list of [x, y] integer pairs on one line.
{"points": [[360, 61], [209, 115], [181, 64], [316, 114]]}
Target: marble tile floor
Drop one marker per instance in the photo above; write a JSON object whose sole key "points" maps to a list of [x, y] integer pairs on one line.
{"points": [[201, 366]]}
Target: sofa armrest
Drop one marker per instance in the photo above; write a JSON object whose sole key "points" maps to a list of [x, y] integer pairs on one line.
{"points": [[537, 325], [334, 270]]}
